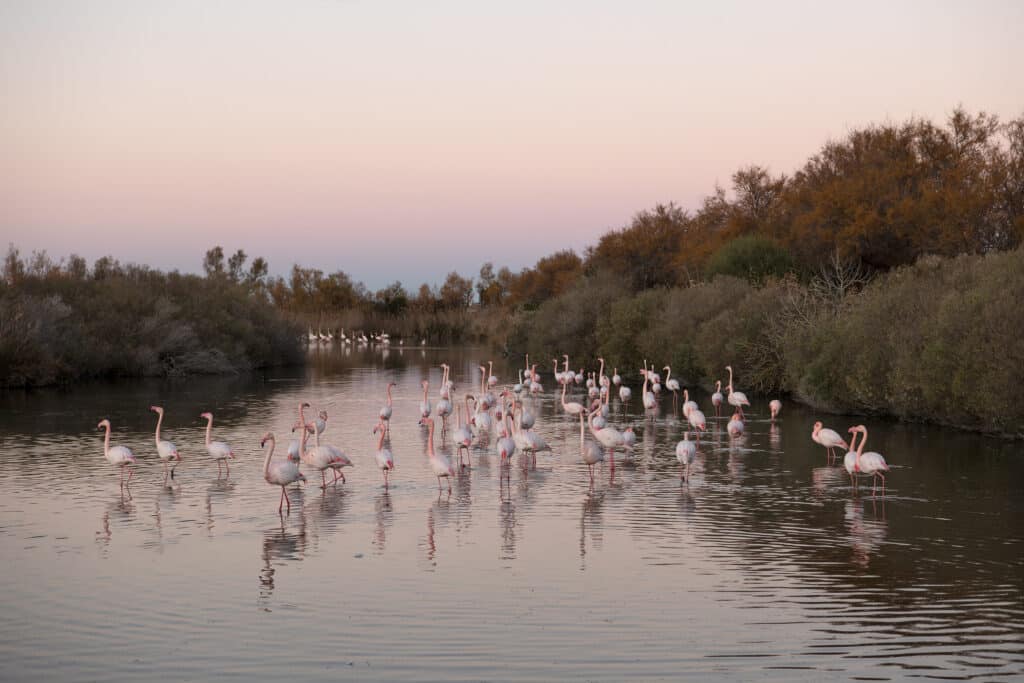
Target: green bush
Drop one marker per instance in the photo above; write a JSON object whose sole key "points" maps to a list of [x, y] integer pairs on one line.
{"points": [[753, 258]]}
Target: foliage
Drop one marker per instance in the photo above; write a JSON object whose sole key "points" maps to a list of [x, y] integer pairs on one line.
{"points": [[751, 257]]}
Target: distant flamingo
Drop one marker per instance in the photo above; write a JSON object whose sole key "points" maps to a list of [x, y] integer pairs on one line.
{"points": [[385, 459], [166, 450], [829, 439], [280, 473], [697, 421], [506, 445], [775, 406], [736, 398], [609, 437], [616, 378], [716, 398], [686, 453], [440, 464], [650, 401], [119, 456], [462, 437], [218, 450], [870, 463]]}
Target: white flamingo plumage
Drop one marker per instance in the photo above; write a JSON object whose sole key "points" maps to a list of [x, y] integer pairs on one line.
{"points": [[871, 462], [280, 473], [688, 405], [686, 453], [218, 450], [118, 456], [737, 399], [384, 457], [735, 426], [165, 450], [590, 452], [386, 411], [829, 439], [425, 403], [716, 398], [440, 464]]}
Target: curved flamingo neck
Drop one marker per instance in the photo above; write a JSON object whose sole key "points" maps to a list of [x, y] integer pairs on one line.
{"points": [[581, 432], [565, 386], [600, 373], [668, 374], [686, 394], [159, 419], [270, 453], [209, 429], [426, 385], [730, 379], [718, 386], [106, 439], [380, 441], [430, 439], [389, 393]]}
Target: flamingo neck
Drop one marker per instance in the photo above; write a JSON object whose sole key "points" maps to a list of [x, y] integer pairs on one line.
{"points": [[159, 419], [600, 373], [581, 433], [302, 416], [389, 393], [209, 429], [686, 395], [106, 440], [380, 441], [266, 460], [430, 439], [668, 374], [565, 385]]}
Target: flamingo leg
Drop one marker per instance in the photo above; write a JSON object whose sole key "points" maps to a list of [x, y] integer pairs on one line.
{"points": [[131, 473], [280, 503], [227, 469], [218, 469], [323, 480]]}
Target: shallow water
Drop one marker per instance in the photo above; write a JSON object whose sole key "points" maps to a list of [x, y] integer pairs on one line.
{"points": [[766, 565]]}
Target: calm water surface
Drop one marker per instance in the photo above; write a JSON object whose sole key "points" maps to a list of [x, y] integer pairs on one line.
{"points": [[767, 565]]}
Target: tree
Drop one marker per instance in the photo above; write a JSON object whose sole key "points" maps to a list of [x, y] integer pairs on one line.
{"points": [[213, 262], [393, 299], [457, 291], [643, 253], [235, 265], [752, 257]]}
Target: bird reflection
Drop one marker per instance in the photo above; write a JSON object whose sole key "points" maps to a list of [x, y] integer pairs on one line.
{"points": [[219, 490], [865, 535], [121, 509], [324, 515], [384, 519], [775, 437], [279, 545], [507, 523], [592, 514], [822, 478]]}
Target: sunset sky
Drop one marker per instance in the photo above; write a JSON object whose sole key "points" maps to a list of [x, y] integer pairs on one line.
{"points": [[399, 141]]}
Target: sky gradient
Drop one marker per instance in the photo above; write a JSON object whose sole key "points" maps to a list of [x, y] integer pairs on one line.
{"points": [[399, 141]]}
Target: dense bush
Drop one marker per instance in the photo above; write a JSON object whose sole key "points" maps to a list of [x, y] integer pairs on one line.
{"points": [[751, 257], [59, 323]]}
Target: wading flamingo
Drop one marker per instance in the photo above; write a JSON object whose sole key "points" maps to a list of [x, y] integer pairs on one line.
{"points": [[385, 412], [166, 450], [323, 458], [716, 398], [280, 473], [218, 450], [688, 405], [119, 456], [871, 462], [572, 408], [735, 426], [440, 464], [775, 406], [672, 385], [385, 459], [686, 453], [462, 437], [736, 399], [829, 439], [590, 452], [425, 403]]}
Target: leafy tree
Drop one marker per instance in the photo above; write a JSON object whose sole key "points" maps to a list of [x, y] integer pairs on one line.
{"points": [[751, 257], [457, 291], [235, 265], [213, 262]]}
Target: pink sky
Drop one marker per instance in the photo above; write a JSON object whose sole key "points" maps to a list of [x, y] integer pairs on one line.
{"points": [[398, 141]]}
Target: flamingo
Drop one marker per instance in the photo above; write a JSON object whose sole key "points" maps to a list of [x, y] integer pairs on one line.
{"points": [[616, 378], [688, 405], [697, 421], [462, 438], [492, 380], [119, 456], [629, 438], [672, 385], [281, 473], [850, 459], [735, 426], [323, 458], [775, 406], [716, 398], [518, 388], [590, 452], [625, 393], [506, 445], [385, 412], [736, 398], [218, 450], [686, 453], [166, 450], [444, 405], [440, 464], [870, 463], [609, 437], [829, 439], [425, 403], [444, 391], [572, 408], [648, 396], [385, 459]]}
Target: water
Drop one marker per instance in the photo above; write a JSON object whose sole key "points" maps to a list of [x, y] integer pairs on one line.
{"points": [[767, 565]]}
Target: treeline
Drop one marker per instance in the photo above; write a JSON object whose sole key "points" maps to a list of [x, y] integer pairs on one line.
{"points": [[64, 321]]}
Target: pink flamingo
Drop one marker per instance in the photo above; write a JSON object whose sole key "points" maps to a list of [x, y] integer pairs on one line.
{"points": [[385, 412], [118, 456], [716, 398], [218, 450], [871, 462], [735, 426], [440, 464], [425, 403], [775, 406], [736, 399], [829, 439], [686, 453], [280, 473], [166, 450], [385, 459]]}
